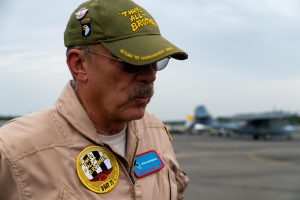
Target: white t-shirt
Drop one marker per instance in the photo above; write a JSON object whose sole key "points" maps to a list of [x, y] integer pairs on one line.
{"points": [[118, 141]]}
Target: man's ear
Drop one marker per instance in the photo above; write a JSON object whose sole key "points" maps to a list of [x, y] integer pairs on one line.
{"points": [[75, 61]]}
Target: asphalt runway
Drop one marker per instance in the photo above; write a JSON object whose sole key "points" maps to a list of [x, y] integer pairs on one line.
{"points": [[239, 168]]}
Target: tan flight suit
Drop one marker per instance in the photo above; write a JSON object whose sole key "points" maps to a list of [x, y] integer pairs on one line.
{"points": [[38, 155]]}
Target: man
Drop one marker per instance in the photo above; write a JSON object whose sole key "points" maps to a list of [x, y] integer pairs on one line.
{"points": [[97, 141]]}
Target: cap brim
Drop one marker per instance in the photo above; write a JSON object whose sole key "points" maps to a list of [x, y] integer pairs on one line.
{"points": [[144, 49]]}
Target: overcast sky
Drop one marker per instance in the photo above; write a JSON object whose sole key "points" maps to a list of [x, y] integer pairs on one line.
{"points": [[243, 55]]}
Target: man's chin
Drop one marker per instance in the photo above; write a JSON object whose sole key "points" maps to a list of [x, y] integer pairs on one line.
{"points": [[136, 113]]}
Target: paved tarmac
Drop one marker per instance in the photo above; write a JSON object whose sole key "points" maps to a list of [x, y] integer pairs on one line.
{"points": [[239, 168]]}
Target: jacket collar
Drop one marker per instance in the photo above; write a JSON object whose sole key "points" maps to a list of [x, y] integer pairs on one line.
{"points": [[69, 106]]}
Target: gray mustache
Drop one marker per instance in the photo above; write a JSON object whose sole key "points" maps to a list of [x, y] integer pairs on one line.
{"points": [[144, 90]]}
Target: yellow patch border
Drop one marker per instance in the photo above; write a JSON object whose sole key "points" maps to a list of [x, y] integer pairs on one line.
{"points": [[112, 179]]}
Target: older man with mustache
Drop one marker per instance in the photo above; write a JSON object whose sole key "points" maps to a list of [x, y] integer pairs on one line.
{"points": [[98, 141]]}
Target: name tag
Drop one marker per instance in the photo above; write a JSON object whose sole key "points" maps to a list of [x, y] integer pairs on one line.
{"points": [[147, 163]]}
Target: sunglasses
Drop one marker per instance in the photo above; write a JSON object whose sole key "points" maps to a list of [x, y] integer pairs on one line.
{"points": [[129, 68]]}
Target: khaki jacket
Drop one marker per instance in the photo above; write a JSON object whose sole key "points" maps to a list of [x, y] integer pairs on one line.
{"points": [[38, 155]]}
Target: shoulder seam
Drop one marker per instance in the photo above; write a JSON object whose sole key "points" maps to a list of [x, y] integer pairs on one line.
{"points": [[58, 127]]}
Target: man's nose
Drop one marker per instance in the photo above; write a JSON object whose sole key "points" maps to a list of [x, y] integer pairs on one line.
{"points": [[147, 74]]}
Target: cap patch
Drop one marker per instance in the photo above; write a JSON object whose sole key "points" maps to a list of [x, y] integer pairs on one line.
{"points": [[86, 30], [98, 169], [86, 26], [137, 18], [81, 13]]}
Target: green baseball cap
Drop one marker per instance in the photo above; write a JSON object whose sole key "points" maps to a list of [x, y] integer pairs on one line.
{"points": [[124, 28]]}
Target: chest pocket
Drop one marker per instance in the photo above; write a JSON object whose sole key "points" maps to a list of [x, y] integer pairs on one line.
{"points": [[160, 185]]}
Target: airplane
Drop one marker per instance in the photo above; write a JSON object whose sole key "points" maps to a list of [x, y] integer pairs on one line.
{"points": [[265, 125], [203, 122], [260, 125]]}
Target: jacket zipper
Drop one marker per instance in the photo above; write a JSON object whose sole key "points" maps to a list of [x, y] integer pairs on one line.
{"points": [[132, 179], [132, 162]]}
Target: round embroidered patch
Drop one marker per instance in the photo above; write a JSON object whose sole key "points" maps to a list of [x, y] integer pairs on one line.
{"points": [[98, 169]]}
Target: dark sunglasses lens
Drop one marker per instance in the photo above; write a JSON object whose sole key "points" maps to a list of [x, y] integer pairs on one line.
{"points": [[160, 65]]}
